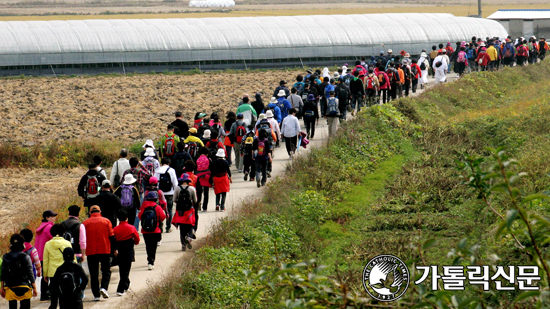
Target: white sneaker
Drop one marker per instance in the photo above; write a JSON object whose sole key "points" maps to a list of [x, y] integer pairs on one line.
{"points": [[104, 293], [119, 294], [159, 243], [96, 298], [151, 267]]}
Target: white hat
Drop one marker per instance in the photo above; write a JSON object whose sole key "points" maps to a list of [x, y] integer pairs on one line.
{"points": [[336, 75], [268, 114], [273, 100], [129, 179], [390, 51], [262, 116], [150, 143], [482, 44], [423, 55], [281, 93], [149, 152], [220, 153], [206, 134]]}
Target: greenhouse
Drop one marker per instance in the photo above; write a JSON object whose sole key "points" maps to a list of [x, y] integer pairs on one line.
{"points": [[228, 41]]}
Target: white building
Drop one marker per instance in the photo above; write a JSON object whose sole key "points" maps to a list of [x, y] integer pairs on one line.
{"points": [[524, 23]]}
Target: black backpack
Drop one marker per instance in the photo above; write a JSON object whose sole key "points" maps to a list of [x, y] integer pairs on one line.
{"points": [[14, 272], [149, 221], [423, 66], [342, 93], [72, 233], [184, 201], [180, 161], [165, 181], [68, 285]]}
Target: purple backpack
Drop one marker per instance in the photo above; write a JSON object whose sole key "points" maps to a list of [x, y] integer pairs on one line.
{"points": [[127, 196]]}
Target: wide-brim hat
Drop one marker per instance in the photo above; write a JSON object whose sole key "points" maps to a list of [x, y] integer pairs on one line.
{"points": [[149, 143], [407, 55], [206, 134], [423, 55], [220, 153], [281, 93], [310, 97], [184, 178], [273, 100], [269, 114], [262, 116], [149, 152], [129, 179], [482, 44]]}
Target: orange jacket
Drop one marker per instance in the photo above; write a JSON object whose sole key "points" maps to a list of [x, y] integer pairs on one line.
{"points": [[401, 75], [98, 231]]}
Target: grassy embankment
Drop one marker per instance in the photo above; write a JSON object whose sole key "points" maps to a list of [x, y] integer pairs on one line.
{"points": [[351, 200]]}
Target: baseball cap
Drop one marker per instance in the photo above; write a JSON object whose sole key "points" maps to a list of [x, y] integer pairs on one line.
{"points": [[106, 183], [48, 213], [95, 208]]}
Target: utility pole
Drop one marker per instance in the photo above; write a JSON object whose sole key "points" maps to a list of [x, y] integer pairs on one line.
{"points": [[479, 8]]}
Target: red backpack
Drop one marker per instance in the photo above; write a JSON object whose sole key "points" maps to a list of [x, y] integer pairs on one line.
{"points": [[240, 133], [370, 83], [461, 57], [169, 145], [92, 187]]}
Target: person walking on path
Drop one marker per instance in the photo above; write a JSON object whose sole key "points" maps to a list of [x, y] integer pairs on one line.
{"points": [[148, 144], [222, 178], [247, 156], [100, 248], [258, 104], [290, 130], [77, 232], [53, 258], [440, 66], [17, 280], [90, 185], [167, 184], [203, 178], [108, 202], [424, 66], [262, 157], [168, 143], [69, 282], [119, 167], [332, 114], [126, 237], [237, 133], [296, 101], [43, 235], [32, 252], [181, 128], [129, 197], [274, 125], [228, 141], [357, 89], [249, 113], [311, 115], [185, 218], [151, 215]]}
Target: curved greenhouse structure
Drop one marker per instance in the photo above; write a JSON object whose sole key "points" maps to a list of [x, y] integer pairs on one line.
{"points": [[229, 40]]}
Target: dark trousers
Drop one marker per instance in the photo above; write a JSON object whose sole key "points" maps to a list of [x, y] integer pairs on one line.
{"points": [[407, 87], [228, 154], [44, 289], [261, 167], [200, 191], [249, 166], [371, 97], [383, 94], [310, 127], [151, 241], [290, 143], [24, 304], [93, 266], [124, 267], [131, 215], [356, 99], [169, 208], [186, 230], [220, 200], [414, 84], [53, 302], [393, 92], [71, 303]]}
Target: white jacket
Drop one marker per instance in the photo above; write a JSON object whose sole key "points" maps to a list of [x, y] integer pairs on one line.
{"points": [[291, 126], [119, 167]]}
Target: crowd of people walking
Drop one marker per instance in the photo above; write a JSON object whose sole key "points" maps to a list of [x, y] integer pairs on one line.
{"points": [[169, 182]]}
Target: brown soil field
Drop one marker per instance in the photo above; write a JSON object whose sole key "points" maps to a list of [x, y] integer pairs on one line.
{"points": [[127, 109], [25, 193]]}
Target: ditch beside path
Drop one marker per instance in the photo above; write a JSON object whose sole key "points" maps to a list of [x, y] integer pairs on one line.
{"points": [[169, 253]]}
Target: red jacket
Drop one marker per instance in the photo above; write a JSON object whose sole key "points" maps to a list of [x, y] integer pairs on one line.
{"points": [[161, 215], [125, 231], [419, 72], [486, 58], [98, 231]]}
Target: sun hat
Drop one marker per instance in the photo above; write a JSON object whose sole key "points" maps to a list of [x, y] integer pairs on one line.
{"points": [[184, 178], [423, 55], [269, 114], [128, 179], [206, 134], [149, 143], [149, 152], [262, 116], [310, 97], [202, 115], [310, 71], [152, 195], [220, 153], [95, 208], [407, 55], [48, 213], [390, 51], [273, 100], [282, 82], [193, 130], [482, 44], [336, 75], [153, 180], [281, 93]]}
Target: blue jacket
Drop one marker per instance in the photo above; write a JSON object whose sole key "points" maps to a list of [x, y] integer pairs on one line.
{"points": [[285, 104], [328, 89], [507, 47], [276, 111]]}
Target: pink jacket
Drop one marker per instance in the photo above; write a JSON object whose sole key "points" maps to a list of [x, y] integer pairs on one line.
{"points": [[387, 84], [42, 237]]}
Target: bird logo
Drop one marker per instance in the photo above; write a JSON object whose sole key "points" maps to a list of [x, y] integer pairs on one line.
{"points": [[386, 278]]}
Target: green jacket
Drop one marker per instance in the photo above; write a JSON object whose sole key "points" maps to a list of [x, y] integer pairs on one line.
{"points": [[53, 255], [163, 142]]}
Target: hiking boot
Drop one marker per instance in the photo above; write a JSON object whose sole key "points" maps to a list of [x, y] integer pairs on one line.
{"points": [[183, 247], [217, 207], [268, 174], [245, 176], [258, 183], [263, 183], [104, 293], [168, 230], [188, 242], [251, 179]]}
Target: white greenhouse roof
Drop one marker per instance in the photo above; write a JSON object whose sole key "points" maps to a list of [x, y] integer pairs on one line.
{"points": [[520, 14], [231, 38]]}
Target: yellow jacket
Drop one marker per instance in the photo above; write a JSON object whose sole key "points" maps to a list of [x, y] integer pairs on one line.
{"points": [[492, 52], [53, 255], [193, 139]]}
